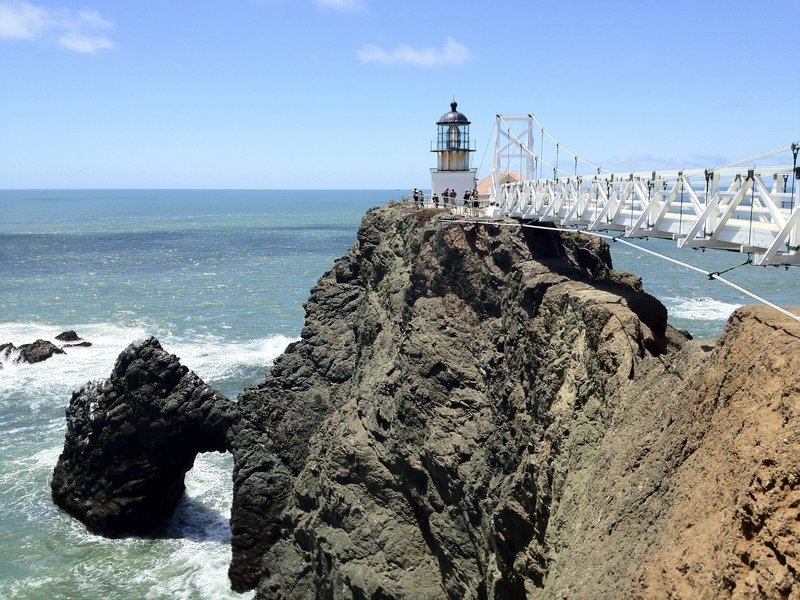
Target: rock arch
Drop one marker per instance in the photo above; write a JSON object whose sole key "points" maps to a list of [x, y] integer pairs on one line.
{"points": [[132, 438]]}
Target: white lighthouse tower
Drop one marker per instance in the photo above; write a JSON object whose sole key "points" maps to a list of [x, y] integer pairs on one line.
{"points": [[453, 149]]}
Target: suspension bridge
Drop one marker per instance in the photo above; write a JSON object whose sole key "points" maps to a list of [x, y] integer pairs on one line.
{"points": [[746, 206]]}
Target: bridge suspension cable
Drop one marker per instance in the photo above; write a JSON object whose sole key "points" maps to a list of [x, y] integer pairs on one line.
{"points": [[530, 152], [752, 159], [744, 208], [555, 141]]}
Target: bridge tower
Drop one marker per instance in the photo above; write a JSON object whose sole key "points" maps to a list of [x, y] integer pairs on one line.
{"points": [[453, 148]]}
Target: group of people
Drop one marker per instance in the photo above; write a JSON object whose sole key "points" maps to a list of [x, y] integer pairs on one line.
{"points": [[448, 195], [448, 198]]}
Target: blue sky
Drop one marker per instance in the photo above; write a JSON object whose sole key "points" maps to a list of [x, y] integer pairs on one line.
{"points": [[346, 93]]}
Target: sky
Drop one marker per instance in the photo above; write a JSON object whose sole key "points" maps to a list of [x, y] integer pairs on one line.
{"points": [[345, 94]]}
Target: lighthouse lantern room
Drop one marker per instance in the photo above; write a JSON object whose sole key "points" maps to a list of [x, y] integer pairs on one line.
{"points": [[453, 148]]}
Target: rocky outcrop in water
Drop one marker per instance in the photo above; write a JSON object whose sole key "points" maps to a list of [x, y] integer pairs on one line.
{"points": [[131, 438], [485, 411], [75, 340], [40, 350], [68, 336], [35, 352]]}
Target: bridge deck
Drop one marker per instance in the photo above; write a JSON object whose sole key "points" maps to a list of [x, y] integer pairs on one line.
{"points": [[749, 209]]}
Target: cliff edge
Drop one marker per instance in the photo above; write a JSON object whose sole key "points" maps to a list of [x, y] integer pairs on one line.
{"points": [[487, 411]]}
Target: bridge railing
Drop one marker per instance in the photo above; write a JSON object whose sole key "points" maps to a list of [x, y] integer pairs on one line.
{"points": [[753, 209], [749, 210]]}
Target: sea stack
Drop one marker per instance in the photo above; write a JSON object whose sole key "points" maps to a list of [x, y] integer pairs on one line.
{"points": [[131, 439], [486, 411]]}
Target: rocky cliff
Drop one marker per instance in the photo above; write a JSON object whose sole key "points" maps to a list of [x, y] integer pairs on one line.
{"points": [[486, 411]]}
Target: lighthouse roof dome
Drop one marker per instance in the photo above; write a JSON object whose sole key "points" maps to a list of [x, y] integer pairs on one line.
{"points": [[453, 116]]}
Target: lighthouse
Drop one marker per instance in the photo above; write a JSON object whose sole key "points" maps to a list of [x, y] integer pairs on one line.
{"points": [[453, 148]]}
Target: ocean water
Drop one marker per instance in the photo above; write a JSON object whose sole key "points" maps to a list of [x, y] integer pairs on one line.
{"points": [[220, 278]]}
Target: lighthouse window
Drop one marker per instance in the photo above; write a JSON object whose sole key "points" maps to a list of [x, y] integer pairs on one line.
{"points": [[454, 137]]}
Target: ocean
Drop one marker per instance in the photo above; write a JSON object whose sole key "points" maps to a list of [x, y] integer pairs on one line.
{"points": [[219, 277]]}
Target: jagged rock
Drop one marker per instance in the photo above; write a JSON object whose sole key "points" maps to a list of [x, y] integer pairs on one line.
{"points": [[475, 411], [38, 351], [68, 336], [35, 352], [422, 430], [6, 349], [131, 438], [732, 518], [482, 412]]}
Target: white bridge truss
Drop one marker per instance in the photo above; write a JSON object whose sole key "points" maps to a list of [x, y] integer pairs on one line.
{"points": [[754, 209]]}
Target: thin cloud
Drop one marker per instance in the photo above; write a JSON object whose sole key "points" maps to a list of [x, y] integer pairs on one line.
{"points": [[341, 5], [84, 43], [650, 162], [22, 21], [76, 30], [452, 53]]}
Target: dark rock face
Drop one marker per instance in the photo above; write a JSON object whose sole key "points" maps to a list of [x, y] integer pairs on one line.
{"points": [[418, 440], [38, 351], [6, 350], [473, 411], [131, 438]]}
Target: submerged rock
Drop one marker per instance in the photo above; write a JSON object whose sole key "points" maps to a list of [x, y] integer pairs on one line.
{"points": [[71, 336], [131, 438], [68, 336]]}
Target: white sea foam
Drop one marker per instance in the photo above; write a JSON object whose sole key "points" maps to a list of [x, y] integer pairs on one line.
{"points": [[700, 309], [151, 568], [46, 459], [194, 570], [197, 567], [203, 481], [203, 512], [23, 589], [23, 481], [211, 357], [62, 372], [192, 559]]}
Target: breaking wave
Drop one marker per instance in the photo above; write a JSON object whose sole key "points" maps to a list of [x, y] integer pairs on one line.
{"points": [[700, 309]]}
